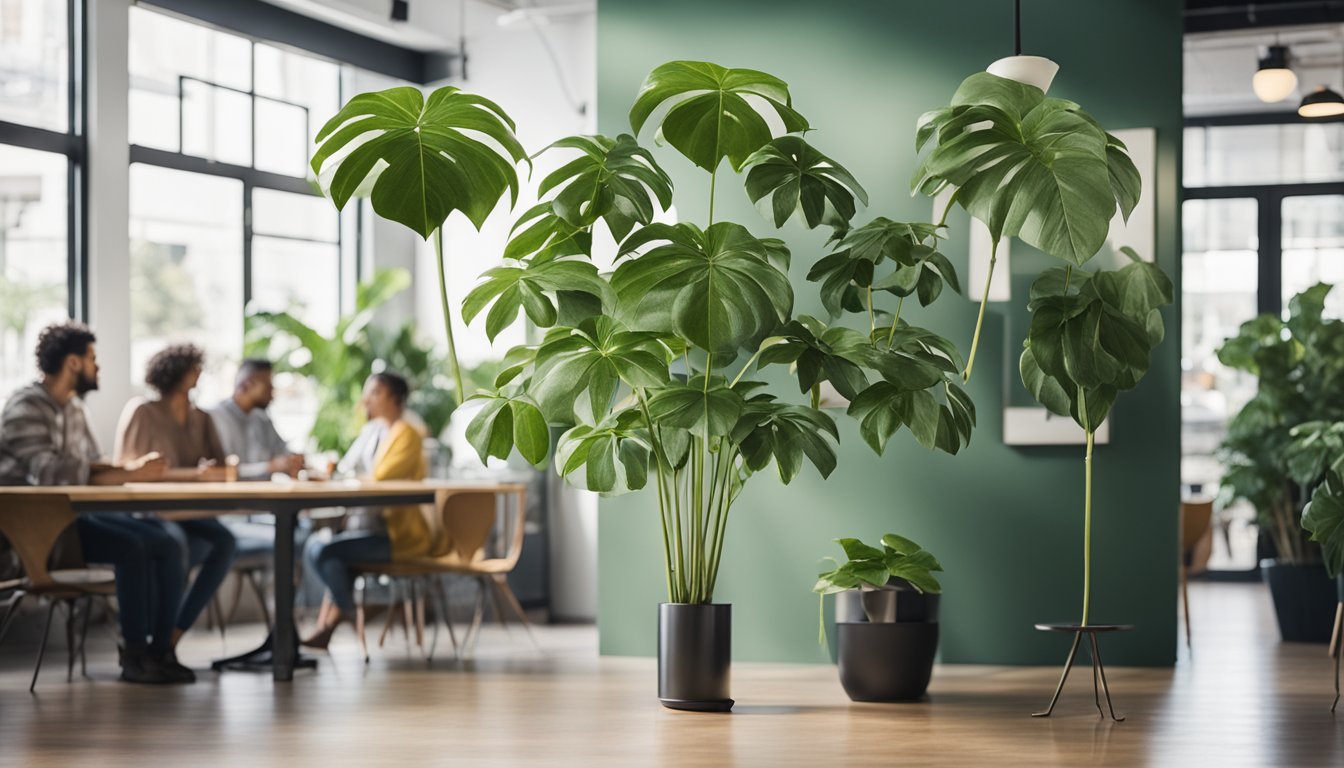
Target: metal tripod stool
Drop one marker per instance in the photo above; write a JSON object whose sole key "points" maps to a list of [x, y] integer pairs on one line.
{"points": [[1098, 669]]}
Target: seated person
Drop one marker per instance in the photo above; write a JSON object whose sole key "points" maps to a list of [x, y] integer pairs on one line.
{"points": [[388, 448], [45, 440], [185, 437], [247, 432]]}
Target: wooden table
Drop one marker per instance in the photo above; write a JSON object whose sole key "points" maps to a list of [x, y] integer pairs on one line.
{"points": [[284, 500]]}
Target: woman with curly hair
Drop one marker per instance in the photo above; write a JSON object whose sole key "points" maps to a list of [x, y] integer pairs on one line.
{"points": [[185, 437]]}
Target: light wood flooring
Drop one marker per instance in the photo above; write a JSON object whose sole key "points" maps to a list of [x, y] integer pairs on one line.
{"points": [[1243, 699]]}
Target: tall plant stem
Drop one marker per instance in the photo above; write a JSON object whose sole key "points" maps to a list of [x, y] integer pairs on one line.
{"points": [[980, 319], [680, 552], [448, 315], [872, 320], [713, 179], [1068, 273], [1087, 528], [663, 504], [942, 222], [895, 321]]}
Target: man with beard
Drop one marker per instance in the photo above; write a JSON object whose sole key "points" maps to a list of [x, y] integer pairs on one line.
{"points": [[45, 440], [246, 430]]}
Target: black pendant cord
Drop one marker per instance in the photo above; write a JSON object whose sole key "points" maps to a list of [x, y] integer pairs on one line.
{"points": [[1017, 27]]}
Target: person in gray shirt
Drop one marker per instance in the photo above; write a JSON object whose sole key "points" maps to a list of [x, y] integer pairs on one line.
{"points": [[246, 430]]}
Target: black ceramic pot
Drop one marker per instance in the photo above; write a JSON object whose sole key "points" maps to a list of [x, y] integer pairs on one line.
{"points": [[886, 661], [695, 656], [1304, 600]]}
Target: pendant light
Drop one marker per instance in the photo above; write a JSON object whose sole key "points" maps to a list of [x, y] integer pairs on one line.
{"points": [[1037, 71], [1322, 102], [1274, 80]]}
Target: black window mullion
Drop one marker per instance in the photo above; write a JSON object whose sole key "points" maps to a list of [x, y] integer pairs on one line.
{"points": [[247, 246], [1269, 289]]}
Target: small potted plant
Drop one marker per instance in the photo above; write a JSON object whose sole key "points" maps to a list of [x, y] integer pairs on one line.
{"points": [[888, 657]]}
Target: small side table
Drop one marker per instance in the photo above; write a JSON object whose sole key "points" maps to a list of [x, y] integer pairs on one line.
{"points": [[1098, 670]]}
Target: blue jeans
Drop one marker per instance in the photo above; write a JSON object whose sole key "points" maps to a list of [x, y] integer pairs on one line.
{"points": [[332, 560], [149, 570], [209, 544]]}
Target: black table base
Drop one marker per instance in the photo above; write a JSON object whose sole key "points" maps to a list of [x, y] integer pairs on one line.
{"points": [[260, 659], [1098, 670]]}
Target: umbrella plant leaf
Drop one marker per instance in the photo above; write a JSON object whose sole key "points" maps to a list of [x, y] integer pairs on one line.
{"points": [[799, 179]]}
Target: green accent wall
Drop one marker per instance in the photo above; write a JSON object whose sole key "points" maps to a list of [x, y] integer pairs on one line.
{"points": [[1006, 522]]}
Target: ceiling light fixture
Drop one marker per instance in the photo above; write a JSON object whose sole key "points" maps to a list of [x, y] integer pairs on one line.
{"points": [[1322, 102], [1030, 70], [1274, 80]]}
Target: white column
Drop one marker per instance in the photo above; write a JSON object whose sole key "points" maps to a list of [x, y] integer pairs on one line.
{"points": [[107, 174]]}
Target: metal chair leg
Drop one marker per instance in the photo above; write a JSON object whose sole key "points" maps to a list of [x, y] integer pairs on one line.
{"points": [[1101, 670], [1068, 664], [408, 612], [474, 632], [1339, 652], [436, 585], [254, 581], [42, 649], [84, 637], [70, 639], [359, 618], [417, 591], [10, 612]]}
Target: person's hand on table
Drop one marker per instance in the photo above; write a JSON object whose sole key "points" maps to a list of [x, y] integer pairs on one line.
{"points": [[290, 464], [146, 469], [212, 472]]}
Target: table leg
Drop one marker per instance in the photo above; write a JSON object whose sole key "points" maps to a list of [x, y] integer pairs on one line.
{"points": [[285, 634], [1073, 651]]}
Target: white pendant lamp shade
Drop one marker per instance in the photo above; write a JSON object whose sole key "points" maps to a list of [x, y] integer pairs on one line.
{"points": [[1321, 102], [1274, 81], [1029, 70]]}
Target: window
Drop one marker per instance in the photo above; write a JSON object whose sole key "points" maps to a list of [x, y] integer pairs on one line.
{"points": [[1313, 247], [40, 154], [225, 218], [35, 63], [1288, 153], [187, 270], [33, 256]]}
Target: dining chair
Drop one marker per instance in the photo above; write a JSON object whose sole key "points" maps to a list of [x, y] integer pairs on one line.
{"points": [[34, 527], [470, 520], [1195, 519]]}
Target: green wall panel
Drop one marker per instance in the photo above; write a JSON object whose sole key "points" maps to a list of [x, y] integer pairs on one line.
{"points": [[1005, 521]]}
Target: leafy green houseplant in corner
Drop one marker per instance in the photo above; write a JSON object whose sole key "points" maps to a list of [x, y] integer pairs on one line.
{"points": [[1283, 445], [888, 657], [649, 368], [1043, 170]]}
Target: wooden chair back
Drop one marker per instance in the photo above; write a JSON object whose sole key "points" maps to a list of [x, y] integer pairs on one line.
{"points": [[33, 525], [468, 519], [1195, 519]]}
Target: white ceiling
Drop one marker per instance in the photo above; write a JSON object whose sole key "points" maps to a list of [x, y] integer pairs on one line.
{"points": [[433, 25], [1219, 67]]}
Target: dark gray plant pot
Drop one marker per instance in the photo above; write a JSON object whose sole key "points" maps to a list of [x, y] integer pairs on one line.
{"points": [[886, 661], [898, 603], [695, 656], [1304, 600]]}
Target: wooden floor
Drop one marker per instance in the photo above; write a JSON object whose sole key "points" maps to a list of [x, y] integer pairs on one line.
{"points": [[1244, 699]]}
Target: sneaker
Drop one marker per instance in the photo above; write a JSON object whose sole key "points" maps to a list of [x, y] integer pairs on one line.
{"points": [[174, 671]]}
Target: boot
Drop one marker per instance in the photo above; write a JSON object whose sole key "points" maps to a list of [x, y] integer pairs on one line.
{"points": [[172, 669], [138, 667]]}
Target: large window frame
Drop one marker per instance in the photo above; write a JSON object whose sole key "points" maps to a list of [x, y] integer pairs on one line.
{"points": [[1269, 201], [250, 176], [73, 144]]}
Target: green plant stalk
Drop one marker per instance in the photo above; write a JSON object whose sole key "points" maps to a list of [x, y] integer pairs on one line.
{"points": [[448, 315], [980, 319], [745, 368], [872, 320], [682, 576], [895, 321], [662, 494], [1087, 528], [942, 222], [721, 520]]}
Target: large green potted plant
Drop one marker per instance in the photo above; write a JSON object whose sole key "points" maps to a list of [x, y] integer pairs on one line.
{"points": [[339, 363], [1280, 445], [889, 656], [651, 369], [1044, 171]]}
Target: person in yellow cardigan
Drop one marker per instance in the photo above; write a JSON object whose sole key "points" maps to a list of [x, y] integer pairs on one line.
{"points": [[388, 448]]}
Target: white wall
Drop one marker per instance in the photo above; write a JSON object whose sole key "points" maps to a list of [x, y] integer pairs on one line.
{"points": [[511, 66]]}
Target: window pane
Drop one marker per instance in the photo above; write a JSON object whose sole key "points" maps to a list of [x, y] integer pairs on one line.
{"points": [[1219, 277], [1264, 154], [299, 79], [34, 63], [1313, 247], [163, 49], [187, 270], [297, 276], [33, 256], [216, 123], [282, 138], [289, 215]]}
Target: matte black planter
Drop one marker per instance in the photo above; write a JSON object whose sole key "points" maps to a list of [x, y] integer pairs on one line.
{"points": [[886, 662], [1304, 600], [695, 656]]}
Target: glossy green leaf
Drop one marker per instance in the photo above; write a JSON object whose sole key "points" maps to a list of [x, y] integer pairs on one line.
{"points": [[713, 112], [706, 411], [531, 286], [610, 457], [614, 180], [506, 423], [718, 288], [799, 179], [1324, 518], [787, 434], [578, 370], [420, 159]]}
